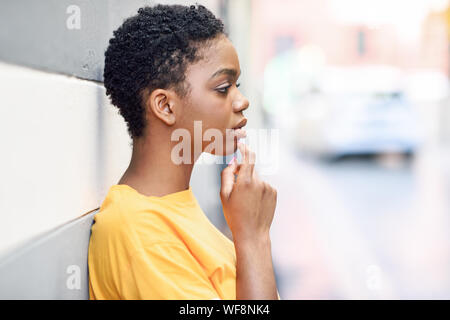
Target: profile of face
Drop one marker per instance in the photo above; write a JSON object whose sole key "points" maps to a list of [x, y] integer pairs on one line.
{"points": [[213, 100]]}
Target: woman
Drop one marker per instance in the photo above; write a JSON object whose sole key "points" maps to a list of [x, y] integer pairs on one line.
{"points": [[166, 68]]}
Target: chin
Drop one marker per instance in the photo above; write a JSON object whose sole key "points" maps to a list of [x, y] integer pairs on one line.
{"points": [[229, 148]]}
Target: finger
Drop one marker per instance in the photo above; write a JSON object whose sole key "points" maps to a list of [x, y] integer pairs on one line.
{"points": [[227, 179], [255, 175], [244, 151], [248, 160], [248, 156], [236, 172]]}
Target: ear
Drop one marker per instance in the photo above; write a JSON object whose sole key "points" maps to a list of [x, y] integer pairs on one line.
{"points": [[161, 103]]}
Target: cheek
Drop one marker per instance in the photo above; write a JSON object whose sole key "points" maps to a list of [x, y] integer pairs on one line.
{"points": [[213, 111]]}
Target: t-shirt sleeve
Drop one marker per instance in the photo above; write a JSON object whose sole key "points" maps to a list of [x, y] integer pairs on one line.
{"points": [[167, 271]]}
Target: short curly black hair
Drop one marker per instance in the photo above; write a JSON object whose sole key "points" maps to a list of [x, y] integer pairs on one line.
{"points": [[152, 50]]}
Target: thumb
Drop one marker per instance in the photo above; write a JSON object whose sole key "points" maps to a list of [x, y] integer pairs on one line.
{"points": [[228, 179]]}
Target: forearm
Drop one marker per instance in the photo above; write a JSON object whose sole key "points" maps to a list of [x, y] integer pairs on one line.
{"points": [[255, 277]]}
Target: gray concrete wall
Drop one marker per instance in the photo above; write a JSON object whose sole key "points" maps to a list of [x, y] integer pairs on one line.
{"points": [[53, 265], [62, 36]]}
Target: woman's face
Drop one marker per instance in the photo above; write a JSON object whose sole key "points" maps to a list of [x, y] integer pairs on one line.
{"points": [[214, 98]]}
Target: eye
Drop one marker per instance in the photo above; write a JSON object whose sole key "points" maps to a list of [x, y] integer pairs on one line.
{"points": [[223, 89]]}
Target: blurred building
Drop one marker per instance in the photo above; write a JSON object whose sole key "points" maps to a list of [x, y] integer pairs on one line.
{"points": [[345, 39]]}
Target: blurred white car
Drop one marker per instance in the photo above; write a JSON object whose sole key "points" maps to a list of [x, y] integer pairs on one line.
{"points": [[357, 111]]}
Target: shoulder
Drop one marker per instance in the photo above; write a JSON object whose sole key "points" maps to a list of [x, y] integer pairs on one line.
{"points": [[134, 224]]}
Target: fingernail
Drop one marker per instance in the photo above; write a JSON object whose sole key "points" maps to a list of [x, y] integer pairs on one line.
{"points": [[231, 161]]}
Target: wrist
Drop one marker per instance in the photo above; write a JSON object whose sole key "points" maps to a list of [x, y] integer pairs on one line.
{"points": [[252, 242]]}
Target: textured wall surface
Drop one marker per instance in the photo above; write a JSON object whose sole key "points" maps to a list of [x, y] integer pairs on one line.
{"points": [[62, 145], [51, 266], [62, 36]]}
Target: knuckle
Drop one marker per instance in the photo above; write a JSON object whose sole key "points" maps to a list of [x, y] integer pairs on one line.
{"points": [[264, 186], [246, 182], [222, 195]]}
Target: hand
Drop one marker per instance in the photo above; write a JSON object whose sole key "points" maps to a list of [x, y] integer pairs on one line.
{"points": [[248, 203]]}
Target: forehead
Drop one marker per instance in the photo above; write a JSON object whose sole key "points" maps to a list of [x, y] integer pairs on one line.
{"points": [[220, 54]]}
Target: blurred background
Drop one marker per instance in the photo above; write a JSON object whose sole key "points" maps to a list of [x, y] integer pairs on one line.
{"points": [[357, 89]]}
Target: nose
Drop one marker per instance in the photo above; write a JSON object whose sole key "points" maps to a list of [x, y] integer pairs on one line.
{"points": [[240, 103]]}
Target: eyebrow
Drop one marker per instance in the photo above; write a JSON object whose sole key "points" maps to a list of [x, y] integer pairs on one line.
{"points": [[230, 72]]}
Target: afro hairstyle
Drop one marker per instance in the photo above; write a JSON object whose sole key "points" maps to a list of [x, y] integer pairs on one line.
{"points": [[152, 50]]}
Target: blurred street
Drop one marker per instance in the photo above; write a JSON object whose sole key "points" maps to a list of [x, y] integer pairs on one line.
{"points": [[362, 227]]}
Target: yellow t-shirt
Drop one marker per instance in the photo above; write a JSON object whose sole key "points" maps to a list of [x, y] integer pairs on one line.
{"points": [[158, 248]]}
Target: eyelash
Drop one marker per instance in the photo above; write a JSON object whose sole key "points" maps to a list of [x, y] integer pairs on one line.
{"points": [[225, 89]]}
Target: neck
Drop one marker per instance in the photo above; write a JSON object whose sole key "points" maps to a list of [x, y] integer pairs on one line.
{"points": [[152, 172]]}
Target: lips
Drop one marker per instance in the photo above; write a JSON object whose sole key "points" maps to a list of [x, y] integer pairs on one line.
{"points": [[241, 124], [237, 130]]}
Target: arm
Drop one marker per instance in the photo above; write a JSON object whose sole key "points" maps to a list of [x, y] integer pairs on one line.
{"points": [[255, 278], [249, 206]]}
